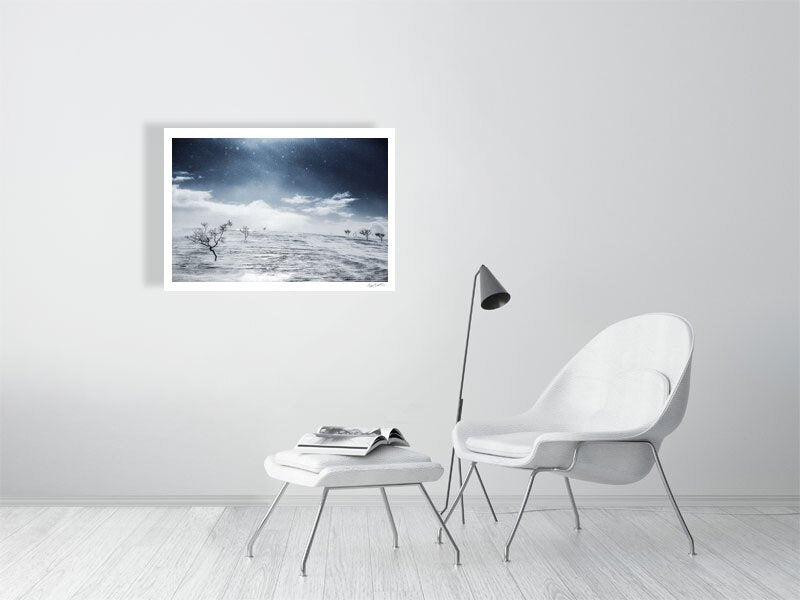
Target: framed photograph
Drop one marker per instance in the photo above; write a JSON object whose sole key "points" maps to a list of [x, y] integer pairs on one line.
{"points": [[278, 209]]}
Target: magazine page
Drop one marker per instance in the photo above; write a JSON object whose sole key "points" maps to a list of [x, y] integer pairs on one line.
{"points": [[342, 430]]}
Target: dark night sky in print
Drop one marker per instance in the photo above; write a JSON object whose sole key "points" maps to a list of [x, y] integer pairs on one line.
{"points": [[321, 179]]}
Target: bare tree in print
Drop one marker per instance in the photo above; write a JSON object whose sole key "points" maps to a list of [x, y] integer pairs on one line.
{"points": [[209, 238], [366, 233]]}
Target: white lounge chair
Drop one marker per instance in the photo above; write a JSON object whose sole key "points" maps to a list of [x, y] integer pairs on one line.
{"points": [[601, 419]]}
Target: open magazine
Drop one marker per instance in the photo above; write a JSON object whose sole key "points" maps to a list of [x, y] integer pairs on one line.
{"points": [[349, 441]]}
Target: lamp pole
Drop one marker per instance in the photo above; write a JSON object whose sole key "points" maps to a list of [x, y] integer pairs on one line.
{"points": [[458, 417]]}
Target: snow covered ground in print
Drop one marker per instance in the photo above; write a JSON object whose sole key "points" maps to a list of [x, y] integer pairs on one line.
{"points": [[281, 257]]}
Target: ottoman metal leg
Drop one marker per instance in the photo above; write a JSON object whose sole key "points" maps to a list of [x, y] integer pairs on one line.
{"points": [[313, 531], [391, 518], [442, 523], [455, 502], [264, 521]]}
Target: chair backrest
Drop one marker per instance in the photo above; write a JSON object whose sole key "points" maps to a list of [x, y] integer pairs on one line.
{"points": [[632, 375]]}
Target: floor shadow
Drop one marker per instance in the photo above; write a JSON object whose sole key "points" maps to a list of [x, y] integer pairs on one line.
{"points": [[153, 160]]}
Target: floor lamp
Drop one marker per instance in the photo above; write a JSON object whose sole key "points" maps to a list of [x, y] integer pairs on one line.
{"points": [[493, 295]]}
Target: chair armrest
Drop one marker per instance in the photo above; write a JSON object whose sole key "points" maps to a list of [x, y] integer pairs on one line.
{"points": [[559, 451]]}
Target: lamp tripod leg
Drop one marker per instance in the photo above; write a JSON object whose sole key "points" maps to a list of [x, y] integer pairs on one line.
{"points": [[449, 481]]}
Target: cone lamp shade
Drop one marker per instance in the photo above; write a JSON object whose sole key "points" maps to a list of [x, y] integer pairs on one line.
{"points": [[493, 294]]}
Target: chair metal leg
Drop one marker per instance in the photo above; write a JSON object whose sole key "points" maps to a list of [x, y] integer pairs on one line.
{"points": [[257, 532], [485, 495], [672, 500], [455, 502], [313, 532], [574, 507], [391, 518], [442, 523], [519, 516], [461, 482]]}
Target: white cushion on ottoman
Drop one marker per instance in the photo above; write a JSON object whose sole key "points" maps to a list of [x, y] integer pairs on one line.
{"points": [[385, 465]]}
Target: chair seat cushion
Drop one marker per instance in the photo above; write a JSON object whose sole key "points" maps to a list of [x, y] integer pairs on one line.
{"points": [[509, 445], [387, 465]]}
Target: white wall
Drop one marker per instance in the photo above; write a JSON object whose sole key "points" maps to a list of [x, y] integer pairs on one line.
{"points": [[604, 160]]}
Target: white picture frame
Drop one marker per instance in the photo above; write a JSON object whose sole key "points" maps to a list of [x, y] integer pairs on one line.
{"points": [[179, 279]]}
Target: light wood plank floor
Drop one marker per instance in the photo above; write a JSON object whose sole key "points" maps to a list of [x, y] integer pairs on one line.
{"points": [[160, 553]]}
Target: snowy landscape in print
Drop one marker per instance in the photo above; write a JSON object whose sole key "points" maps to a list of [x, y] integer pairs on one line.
{"points": [[270, 212], [280, 256]]}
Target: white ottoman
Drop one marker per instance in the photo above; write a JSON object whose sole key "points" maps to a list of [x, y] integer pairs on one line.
{"points": [[384, 467]]}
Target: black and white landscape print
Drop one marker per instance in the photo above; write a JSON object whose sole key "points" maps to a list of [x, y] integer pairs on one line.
{"points": [[279, 209]]}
